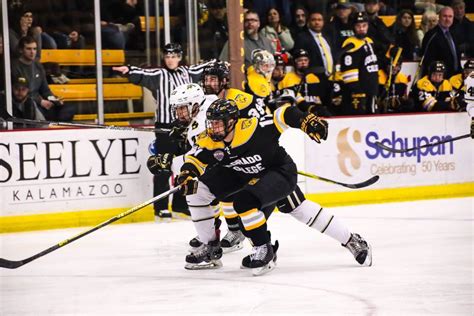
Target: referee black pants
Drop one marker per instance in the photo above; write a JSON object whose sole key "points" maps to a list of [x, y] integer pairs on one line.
{"points": [[165, 144]]}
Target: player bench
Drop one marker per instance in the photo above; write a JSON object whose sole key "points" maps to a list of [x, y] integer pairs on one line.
{"points": [[82, 57], [87, 92]]}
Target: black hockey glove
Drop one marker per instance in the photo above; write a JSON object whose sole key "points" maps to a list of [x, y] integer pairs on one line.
{"points": [[160, 163], [179, 132], [188, 181], [472, 127], [315, 127]]}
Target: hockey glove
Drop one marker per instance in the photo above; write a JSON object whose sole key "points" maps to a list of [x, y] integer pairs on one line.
{"points": [[472, 127], [160, 163], [315, 127], [188, 182]]}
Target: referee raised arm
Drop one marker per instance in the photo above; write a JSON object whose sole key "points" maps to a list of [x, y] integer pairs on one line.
{"points": [[161, 82]]}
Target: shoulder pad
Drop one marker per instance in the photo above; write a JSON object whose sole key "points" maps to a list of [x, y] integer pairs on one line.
{"points": [[312, 78], [353, 42], [425, 84], [259, 85], [244, 129], [243, 99], [204, 141]]}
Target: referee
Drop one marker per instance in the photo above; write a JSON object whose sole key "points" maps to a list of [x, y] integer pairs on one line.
{"points": [[161, 82]]}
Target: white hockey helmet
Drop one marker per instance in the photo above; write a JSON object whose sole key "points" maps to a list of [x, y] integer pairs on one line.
{"points": [[185, 101], [263, 61]]}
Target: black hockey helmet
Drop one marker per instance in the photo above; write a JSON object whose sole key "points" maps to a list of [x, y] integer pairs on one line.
{"points": [[300, 53], [279, 60], [173, 48], [359, 17], [221, 70], [436, 66], [221, 110]]}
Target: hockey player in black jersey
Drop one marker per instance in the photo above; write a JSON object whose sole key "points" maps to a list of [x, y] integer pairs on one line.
{"points": [[359, 69], [216, 78], [242, 158]]}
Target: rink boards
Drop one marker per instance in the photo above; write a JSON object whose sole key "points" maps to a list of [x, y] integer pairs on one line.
{"points": [[72, 177]]}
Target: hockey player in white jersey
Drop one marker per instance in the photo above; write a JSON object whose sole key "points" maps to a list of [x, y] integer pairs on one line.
{"points": [[469, 98]]}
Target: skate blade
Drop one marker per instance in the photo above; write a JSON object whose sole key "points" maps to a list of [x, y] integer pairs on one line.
{"points": [[368, 259], [162, 219], [233, 248], [213, 264], [265, 269]]}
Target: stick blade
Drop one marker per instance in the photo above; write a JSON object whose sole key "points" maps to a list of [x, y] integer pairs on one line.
{"points": [[390, 149], [364, 184], [9, 264]]}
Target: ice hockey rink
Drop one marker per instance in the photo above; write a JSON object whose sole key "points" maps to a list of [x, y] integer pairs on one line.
{"points": [[422, 265]]}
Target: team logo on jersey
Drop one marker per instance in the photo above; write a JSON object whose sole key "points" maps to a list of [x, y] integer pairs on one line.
{"points": [[240, 98], [219, 155], [246, 123]]}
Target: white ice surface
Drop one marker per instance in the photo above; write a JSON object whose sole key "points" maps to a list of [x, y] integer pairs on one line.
{"points": [[422, 253]]}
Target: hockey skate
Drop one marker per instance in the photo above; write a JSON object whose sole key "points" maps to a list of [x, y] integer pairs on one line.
{"points": [[232, 241], [206, 256], [262, 260], [360, 249], [195, 242]]}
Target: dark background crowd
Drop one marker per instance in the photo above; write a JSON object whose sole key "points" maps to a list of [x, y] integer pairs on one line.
{"points": [[309, 41]]}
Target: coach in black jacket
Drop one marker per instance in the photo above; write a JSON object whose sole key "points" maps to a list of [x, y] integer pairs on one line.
{"points": [[317, 45], [440, 44]]}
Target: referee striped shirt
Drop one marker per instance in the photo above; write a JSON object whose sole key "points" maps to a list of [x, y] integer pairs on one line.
{"points": [[161, 82]]}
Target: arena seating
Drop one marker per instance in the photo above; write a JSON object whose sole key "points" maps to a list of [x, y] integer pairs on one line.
{"points": [[82, 57]]}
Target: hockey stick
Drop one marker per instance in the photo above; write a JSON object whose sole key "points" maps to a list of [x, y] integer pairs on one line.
{"points": [[399, 151], [11, 264], [359, 185], [8, 117]]}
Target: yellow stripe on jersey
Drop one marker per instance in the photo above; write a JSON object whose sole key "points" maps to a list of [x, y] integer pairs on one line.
{"points": [[244, 129], [243, 99], [204, 141], [351, 75], [279, 118], [201, 167]]}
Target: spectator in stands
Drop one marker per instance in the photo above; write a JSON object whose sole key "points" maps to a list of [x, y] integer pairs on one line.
{"points": [[252, 39], [261, 7], [340, 28], [276, 32], [118, 20], [317, 44], [27, 67], [429, 20], [439, 44], [21, 24], [433, 92], [404, 30], [161, 82], [386, 8], [23, 105], [378, 31], [214, 32], [299, 21], [427, 5], [359, 69], [463, 29]]}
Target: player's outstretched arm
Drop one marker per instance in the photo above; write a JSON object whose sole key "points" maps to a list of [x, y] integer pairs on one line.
{"points": [[315, 127]]}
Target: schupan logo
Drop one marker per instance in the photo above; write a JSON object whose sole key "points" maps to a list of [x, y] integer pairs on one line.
{"points": [[346, 156]]}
